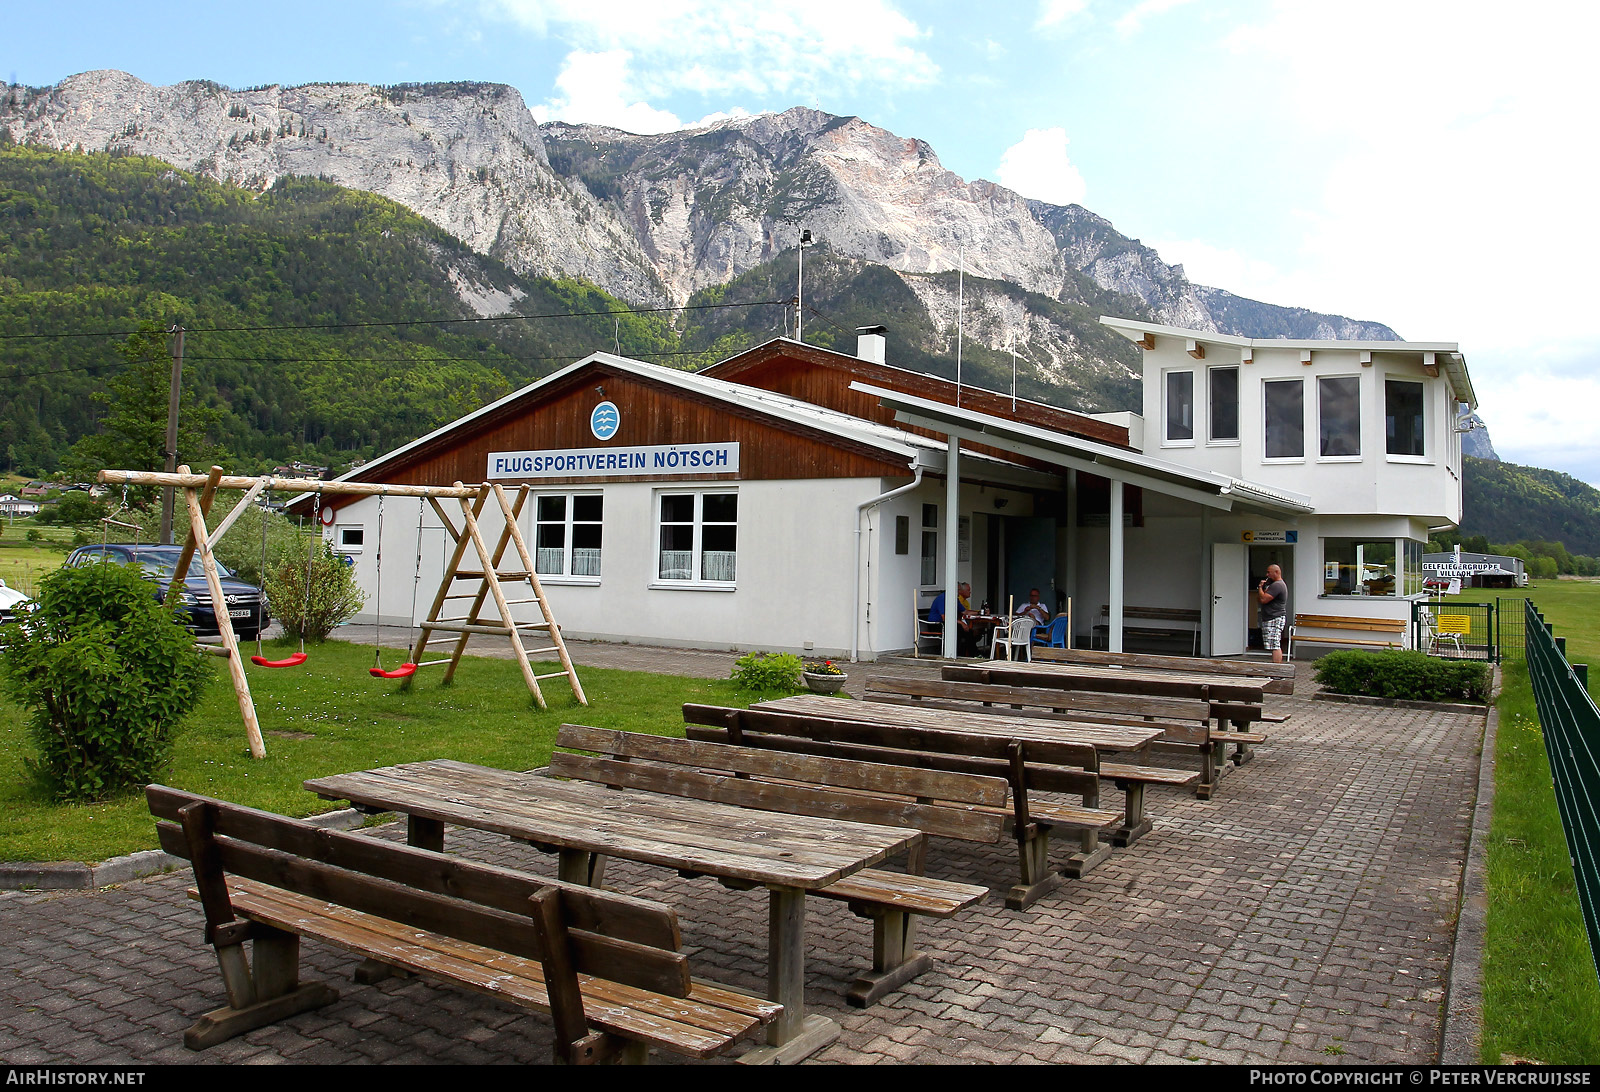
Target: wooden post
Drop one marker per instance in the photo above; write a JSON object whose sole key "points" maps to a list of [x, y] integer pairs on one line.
{"points": [[493, 584], [219, 606], [538, 589]]}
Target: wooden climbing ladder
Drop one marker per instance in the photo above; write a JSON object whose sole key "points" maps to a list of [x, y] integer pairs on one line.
{"points": [[493, 582]]}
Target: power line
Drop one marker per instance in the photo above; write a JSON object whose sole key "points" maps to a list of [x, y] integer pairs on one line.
{"points": [[405, 322]]}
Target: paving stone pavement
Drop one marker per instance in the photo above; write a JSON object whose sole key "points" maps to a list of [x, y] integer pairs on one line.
{"points": [[1304, 915]]}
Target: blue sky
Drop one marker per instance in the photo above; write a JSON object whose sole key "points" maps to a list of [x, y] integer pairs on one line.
{"points": [[1426, 165]]}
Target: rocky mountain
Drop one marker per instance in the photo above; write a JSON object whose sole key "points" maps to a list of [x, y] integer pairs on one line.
{"points": [[651, 219]]}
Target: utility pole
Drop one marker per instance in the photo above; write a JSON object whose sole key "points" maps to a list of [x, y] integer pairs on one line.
{"points": [[172, 431]]}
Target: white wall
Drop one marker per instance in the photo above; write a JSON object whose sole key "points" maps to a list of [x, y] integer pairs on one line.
{"points": [[796, 557], [1376, 482]]}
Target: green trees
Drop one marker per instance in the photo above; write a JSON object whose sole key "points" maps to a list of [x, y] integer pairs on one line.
{"points": [[106, 675], [133, 434]]}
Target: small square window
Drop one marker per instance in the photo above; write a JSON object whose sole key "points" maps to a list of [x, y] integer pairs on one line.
{"points": [[352, 539]]}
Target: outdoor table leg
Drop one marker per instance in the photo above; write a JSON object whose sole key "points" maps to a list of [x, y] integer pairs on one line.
{"points": [[793, 1036], [424, 834]]}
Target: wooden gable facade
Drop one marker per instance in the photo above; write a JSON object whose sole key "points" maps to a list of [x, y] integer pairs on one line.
{"points": [[823, 377], [555, 417]]}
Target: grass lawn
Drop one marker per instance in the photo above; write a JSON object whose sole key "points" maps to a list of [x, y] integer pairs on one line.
{"points": [[330, 716], [1541, 995], [23, 563]]}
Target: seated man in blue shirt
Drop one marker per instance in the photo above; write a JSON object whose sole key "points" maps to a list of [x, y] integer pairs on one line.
{"points": [[966, 640]]}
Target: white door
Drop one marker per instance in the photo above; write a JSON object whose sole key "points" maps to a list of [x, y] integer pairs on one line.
{"points": [[1227, 598]]}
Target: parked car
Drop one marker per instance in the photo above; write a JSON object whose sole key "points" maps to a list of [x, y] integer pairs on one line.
{"points": [[10, 600], [246, 604]]}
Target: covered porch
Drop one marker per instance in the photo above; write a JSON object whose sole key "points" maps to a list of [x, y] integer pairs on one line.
{"points": [[1139, 545]]}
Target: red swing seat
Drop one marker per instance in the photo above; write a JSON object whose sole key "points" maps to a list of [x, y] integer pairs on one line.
{"points": [[293, 661], [401, 672]]}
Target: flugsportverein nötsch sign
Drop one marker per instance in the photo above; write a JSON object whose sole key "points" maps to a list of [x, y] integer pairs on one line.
{"points": [[686, 460]]}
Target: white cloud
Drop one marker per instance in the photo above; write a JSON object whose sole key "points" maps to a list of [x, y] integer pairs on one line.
{"points": [[1053, 13], [592, 89], [1131, 22], [1539, 418], [1452, 199], [1037, 166], [1222, 267], [726, 46]]}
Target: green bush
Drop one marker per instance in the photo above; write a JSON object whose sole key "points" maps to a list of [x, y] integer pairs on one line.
{"points": [[767, 671], [1414, 676], [107, 675], [334, 595]]}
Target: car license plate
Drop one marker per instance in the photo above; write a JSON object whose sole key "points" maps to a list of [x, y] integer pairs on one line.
{"points": [[245, 612]]}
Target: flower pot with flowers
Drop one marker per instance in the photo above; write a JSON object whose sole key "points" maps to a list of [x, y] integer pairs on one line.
{"points": [[823, 676]]}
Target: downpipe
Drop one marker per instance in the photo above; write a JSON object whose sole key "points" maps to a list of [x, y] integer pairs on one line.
{"points": [[855, 597]]}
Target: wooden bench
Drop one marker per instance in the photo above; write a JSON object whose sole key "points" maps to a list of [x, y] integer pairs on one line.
{"points": [[1185, 723], [1131, 778], [1281, 676], [1189, 619], [950, 805], [1327, 622], [1027, 767], [606, 967]]}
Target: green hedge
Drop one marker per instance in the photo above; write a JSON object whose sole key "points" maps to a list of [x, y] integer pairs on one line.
{"points": [[1411, 675]]}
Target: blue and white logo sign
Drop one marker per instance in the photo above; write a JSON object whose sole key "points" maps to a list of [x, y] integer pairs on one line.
{"points": [[604, 421]]}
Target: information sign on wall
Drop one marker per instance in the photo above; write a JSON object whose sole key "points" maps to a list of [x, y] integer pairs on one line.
{"points": [[1270, 538], [677, 460]]}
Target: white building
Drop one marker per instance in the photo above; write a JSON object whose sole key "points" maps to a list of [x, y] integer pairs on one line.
{"points": [[799, 499], [13, 505]]}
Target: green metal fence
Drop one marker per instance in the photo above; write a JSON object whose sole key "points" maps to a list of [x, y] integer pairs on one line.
{"points": [[1571, 725]]}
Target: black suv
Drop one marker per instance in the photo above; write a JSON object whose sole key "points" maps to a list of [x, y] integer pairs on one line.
{"points": [[246, 605]]}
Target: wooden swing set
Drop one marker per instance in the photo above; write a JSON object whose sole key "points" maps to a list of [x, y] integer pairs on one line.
{"points": [[199, 492]]}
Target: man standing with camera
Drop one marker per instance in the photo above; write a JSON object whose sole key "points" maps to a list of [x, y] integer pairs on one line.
{"points": [[1273, 594]]}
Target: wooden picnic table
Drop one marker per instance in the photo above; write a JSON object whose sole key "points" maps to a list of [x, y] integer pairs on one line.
{"points": [[1110, 679], [743, 847], [1281, 676], [1103, 737]]}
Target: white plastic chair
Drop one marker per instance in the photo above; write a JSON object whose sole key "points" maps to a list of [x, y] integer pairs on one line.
{"points": [[1431, 634], [1013, 639]]}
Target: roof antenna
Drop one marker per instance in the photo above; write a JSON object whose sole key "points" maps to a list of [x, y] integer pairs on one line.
{"points": [[961, 306], [1013, 373], [800, 289]]}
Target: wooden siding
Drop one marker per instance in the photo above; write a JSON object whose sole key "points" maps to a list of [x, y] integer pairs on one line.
{"points": [[823, 377], [557, 418]]}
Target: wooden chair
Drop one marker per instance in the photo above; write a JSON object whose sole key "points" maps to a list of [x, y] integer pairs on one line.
{"points": [[923, 629]]}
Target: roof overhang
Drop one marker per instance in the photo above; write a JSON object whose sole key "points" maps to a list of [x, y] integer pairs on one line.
{"points": [[1203, 487]]}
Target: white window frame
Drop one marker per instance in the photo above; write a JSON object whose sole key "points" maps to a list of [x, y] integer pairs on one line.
{"points": [[1360, 437], [1427, 415], [929, 535], [697, 554], [1167, 439], [342, 545], [1279, 459], [1238, 389], [569, 518]]}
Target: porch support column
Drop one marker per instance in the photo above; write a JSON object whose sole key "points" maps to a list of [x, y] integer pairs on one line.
{"points": [[1072, 547], [1206, 603], [1114, 550], [952, 534]]}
